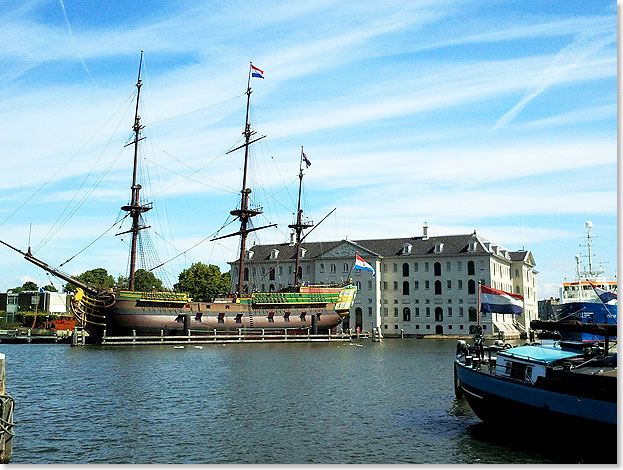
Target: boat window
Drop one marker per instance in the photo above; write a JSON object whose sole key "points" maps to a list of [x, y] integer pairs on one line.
{"points": [[271, 316], [239, 318], [286, 316], [303, 316], [198, 317], [221, 317]]}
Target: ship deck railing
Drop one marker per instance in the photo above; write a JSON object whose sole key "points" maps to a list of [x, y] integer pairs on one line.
{"points": [[241, 335]]}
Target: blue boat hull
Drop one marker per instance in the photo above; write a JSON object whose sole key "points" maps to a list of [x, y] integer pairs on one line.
{"points": [[588, 312], [501, 401]]}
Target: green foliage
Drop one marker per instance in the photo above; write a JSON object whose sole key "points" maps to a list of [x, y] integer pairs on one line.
{"points": [[203, 282], [28, 285], [97, 277], [146, 281], [50, 288]]}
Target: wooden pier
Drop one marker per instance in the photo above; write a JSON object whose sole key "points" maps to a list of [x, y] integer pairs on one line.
{"points": [[242, 335]]}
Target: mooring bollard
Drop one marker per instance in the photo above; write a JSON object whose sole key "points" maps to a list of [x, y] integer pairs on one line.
{"points": [[161, 336], [402, 333], [133, 336], [28, 336]]}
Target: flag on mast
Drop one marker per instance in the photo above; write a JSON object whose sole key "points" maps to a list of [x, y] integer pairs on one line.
{"points": [[361, 264], [255, 72], [498, 301], [306, 160], [604, 295]]}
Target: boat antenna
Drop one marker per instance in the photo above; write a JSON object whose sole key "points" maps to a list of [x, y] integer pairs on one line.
{"points": [[135, 208], [299, 225]]}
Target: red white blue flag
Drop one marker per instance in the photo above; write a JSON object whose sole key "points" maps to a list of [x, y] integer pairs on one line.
{"points": [[306, 160], [361, 264], [498, 301], [604, 295], [255, 72]]}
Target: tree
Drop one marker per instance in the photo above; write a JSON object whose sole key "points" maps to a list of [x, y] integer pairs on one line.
{"points": [[28, 285], [146, 281], [203, 282], [97, 277], [50, 288]]}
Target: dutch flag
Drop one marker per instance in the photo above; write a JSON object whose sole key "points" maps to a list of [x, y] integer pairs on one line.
{"points": [[361, 264], [498, 301], [604, 295], [255, 72]]}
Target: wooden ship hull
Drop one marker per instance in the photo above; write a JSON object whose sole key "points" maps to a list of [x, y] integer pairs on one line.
{"points": [[126, 313]]}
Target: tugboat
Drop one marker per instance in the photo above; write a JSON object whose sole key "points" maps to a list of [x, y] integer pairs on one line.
{"points": [[566, 385], [591, 298], [301, 306]]}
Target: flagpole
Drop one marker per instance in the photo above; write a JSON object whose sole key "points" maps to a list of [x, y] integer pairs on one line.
{"points": [[351, 268], [479, 303]]}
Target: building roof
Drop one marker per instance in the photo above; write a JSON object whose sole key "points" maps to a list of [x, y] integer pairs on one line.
{"points": [[390, 247]]}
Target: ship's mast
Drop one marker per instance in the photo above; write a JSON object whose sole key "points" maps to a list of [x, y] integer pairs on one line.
{"points": [[244, 213], [135, 208], [299, 225]]}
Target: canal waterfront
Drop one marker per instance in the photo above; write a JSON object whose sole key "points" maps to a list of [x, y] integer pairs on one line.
{"points": [[366, 402]]}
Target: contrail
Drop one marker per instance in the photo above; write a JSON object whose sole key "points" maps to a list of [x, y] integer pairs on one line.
{"points": [[584, 45], [73, 40]]}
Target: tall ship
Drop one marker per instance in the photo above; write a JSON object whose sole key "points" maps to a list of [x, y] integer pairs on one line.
{"points": [[299, 307], [590, 298]]}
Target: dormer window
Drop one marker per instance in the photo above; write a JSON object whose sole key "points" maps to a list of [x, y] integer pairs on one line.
{"points": [[438, 247], [471, 246], [303, 251], [487, 246], [250, 255], [406, 249], [274, 254]]}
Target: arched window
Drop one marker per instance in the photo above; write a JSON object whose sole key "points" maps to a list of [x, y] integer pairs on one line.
{"points": [[438, 314], [346, 267], [332, 268], [271, 275], [470, 268], [358, 284], [271, 288], [471, 287], [405, 269], [405, 288], [406, 314], [246, 274], [473, 316], [437, 287], [437, 269]]}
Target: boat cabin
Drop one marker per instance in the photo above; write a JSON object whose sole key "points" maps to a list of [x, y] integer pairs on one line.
{"points": [[528, 363]]}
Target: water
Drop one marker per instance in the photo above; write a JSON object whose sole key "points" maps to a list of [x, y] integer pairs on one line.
{"points": [[388, 402]]}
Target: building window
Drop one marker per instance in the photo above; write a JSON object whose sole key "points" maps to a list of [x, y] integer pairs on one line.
{"points": [[280, 270], [395, 285], [358, 284], [395, 311], [426, 267], [395, 267], [416, 267], [246, 274], [332, 268], [369, 310], [385, 312], [405, 269], [271, 273], [437, 268], [417, 311], [449, 311], [460, 311], [405, 288], [460, 281], [473, 315], [369, 284], [471, 287], [384, 285], [426, 285], [428, 311], [470, 268], [346, 267], [437, 287], [416, 285], [321, 267], [417, 327], [438, 314], [448, 265], [482, 264], [459, 266], [406, 314], [449, 284]]}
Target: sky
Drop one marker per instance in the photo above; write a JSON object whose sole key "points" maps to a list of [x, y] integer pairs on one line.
{"points": [[496, 116]]}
